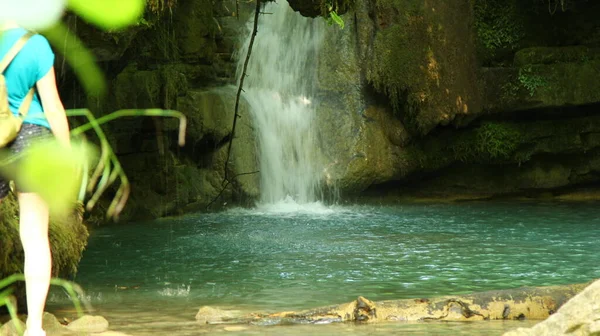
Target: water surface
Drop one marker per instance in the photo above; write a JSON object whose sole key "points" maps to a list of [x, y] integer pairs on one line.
{"points": [[288, 257]]}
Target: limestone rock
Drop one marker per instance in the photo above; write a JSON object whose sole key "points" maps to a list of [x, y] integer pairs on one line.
{"points": [[9, 329], [577, 317], [423, 59], [49, 323], [358, 139], [235, 328], [209, 315], [535, 86], [89, 324]]}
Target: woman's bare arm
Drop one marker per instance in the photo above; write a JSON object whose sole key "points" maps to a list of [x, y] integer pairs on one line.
{"points": [[53, 107]]}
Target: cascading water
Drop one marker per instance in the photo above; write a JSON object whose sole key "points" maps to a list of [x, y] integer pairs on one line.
{"points": [[280, 90]]}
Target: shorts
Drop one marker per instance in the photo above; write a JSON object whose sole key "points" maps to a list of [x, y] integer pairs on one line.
{"points": [[28, 135]]}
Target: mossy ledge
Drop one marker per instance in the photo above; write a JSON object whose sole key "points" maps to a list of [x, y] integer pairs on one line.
{"points": [[68, 239]]}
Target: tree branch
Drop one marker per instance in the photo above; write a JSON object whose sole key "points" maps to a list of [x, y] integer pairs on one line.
{"points": [[240, 88]]}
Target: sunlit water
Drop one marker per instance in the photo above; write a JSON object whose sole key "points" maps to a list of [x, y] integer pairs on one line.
{"points": [[285, 257]]}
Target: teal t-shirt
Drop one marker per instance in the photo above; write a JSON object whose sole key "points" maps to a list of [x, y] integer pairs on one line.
{"points": [[32, 63]]}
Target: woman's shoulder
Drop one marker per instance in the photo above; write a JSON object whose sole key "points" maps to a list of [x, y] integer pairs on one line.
{"points": [[39, 40], [35, 42]]}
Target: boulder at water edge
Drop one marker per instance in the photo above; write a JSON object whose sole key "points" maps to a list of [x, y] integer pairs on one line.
{"points": [[578, 317]]}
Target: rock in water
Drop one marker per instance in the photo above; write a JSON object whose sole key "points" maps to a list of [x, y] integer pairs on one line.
{"points": [[209, 315], [9, 329], [89, 324], [580, 316]]}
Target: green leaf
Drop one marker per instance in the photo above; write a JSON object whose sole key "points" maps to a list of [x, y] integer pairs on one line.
{"points": [[53, 172], [109, 14], [338, 20]]}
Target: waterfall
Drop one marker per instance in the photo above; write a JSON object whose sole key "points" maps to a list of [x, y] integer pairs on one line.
{"points": [[280, 89]]}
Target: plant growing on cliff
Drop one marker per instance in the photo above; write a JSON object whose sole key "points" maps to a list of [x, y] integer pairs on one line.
{"points": [[490, 141], [329, 9], [530, 80], [497, 140], [497, 25]]}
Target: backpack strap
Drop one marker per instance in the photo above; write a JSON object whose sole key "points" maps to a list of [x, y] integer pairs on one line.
{"points": [[14, 50], [24, 108], [10, 55]]}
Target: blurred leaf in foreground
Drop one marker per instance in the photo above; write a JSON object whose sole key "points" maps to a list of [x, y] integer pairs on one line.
{"points": [[81, 59], [109, 14], [53, 171]]}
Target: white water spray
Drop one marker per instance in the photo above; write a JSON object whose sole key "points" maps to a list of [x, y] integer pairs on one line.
{"points": [[280, 91]]}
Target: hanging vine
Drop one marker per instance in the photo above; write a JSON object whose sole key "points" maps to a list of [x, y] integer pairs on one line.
{"points": [[553, 5], [227, 179]]}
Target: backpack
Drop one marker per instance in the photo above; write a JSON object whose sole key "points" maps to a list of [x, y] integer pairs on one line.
{"points": [[10, 125]]}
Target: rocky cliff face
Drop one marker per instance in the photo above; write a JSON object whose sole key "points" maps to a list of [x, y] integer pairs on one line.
{"points": [[477, 98], [469, 100], [179, 59]]}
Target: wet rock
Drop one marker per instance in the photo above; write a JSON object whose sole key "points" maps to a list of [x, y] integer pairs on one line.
{"points": [[89, 324], [235, 328], [210, 315], [9, 328], [359, 139], [365, 309], [49, 323], [579, 316], [535, 86], [532, 303]]}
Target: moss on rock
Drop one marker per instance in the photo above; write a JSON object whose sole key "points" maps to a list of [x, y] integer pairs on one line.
{"points": [[424, 61], [551, 55], [68, 239]]}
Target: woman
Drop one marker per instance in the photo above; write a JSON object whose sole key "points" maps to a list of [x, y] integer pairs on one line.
{"points": [[33, 67]]}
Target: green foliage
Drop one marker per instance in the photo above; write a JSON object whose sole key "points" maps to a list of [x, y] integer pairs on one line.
{"points": [[334, 18], [109, 167], [497, 140], [488, 143], [530, 80], [395, 69], [109, 14], [510, 91], [329, 10], [51, 170], [497, 24]]}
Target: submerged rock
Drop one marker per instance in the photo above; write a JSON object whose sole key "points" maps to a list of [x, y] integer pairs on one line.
{"points": [[579, 316]]}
